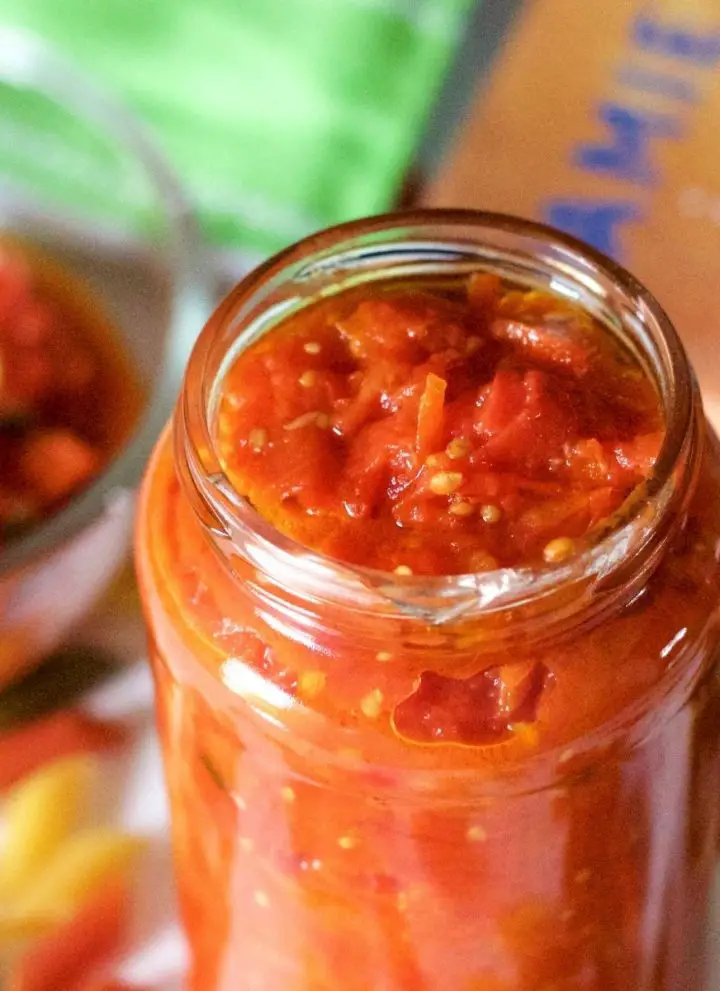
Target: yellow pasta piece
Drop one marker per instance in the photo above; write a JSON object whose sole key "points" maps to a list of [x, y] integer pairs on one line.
{"points": [[40, 814], [79, 869]]}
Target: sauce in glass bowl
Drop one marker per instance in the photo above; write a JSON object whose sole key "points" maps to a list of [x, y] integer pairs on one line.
{"points": [[69, 394]]}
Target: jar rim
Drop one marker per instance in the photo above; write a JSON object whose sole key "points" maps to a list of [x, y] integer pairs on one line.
{"points": [[611, 555]]}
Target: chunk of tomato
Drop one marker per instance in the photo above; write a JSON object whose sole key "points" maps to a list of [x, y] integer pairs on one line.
{"points": [[524, 423]]}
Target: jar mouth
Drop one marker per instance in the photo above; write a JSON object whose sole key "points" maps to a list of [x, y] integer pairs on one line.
{"points": [[423, 242]]}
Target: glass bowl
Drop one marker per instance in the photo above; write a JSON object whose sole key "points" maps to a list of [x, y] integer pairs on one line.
{"points": [[80, 180]]}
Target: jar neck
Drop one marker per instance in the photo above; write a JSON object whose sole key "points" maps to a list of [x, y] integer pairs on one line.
{"points": [[541, 601]]}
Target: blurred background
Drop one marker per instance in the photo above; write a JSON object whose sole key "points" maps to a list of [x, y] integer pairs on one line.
{"points": [[151, 152], [280, 117]]}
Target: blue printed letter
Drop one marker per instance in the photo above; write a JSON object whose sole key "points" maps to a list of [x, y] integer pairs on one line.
{"points": [[626, 156], [677, 42], [593, 221]]}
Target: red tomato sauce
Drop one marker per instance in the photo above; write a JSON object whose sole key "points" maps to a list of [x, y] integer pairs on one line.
{"points": [[68, 393], [439, 430]]}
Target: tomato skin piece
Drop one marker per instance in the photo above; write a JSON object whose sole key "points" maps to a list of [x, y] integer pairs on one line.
{"points": [[552, 346], [430, 417], [473, 711], [503, 401], [639, 454], [589, 463], [308, 456], [377, 386], [523, 422], [380, 461], [572, 515], [405, 328]]}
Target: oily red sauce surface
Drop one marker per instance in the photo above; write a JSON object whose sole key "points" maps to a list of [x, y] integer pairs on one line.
{"points": [[68, 394], [439, 429]]}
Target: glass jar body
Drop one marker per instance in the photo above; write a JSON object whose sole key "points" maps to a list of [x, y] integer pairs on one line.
{"points": [[317, 849], [292, 875]]}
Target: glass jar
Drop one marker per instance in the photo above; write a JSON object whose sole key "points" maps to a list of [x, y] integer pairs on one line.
{"points": [[316, 849]]}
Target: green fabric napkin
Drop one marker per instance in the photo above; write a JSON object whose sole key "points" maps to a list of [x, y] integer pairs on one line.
{"points": [[281, 116]]}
